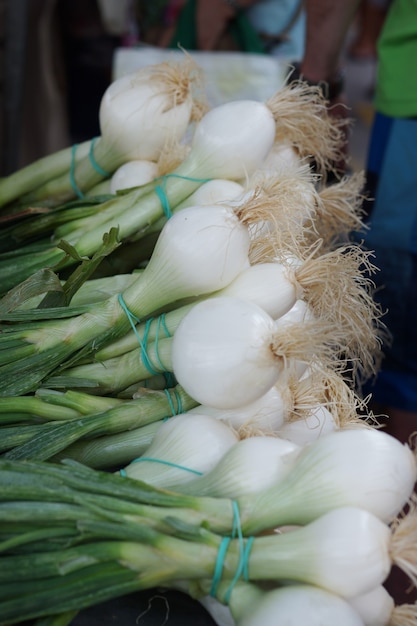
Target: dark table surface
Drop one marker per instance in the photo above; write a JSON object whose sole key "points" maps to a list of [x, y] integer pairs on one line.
{"points": [[154, 607], [151, 608]]}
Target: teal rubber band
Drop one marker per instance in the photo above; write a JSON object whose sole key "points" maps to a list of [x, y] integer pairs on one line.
{"points": [[179, 402], [144, 354], [236, 530], [93, 161], [196, 180], [181, 467], [164, 324], [170, 380], [248, 548], [244, 548], [156, 340], [218, 570], [160, 190], [122, 472], [74, 185], [130, 316], [170, 402], [132, 319]]}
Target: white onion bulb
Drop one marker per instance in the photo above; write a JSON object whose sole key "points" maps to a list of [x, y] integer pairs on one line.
{"points": [[301, 605], [221, 352], [133, 174], [182, 446]]}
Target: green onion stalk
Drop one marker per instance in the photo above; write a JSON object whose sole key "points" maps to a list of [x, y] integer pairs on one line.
{"points": [[32, 409], [45, 441], [107, 452], [40, 171], [72, 537]]}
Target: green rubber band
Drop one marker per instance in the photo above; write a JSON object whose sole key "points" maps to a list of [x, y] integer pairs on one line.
{"points": [[245, 549], [218, 570], [248, 548], [130, 316], [237, 530], [161, 365], [93, 161], [74, 185], [179, 401], [170, 402], [195, 180], [164, 324], [170, 380], [181, 467], [160, 190], [142, 343]]}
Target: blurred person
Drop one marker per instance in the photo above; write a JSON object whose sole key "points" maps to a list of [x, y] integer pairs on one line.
{"points": [[271, 26]]}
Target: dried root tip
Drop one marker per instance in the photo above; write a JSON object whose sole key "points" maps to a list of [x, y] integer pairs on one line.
{"points": [[404, 615], [305, 394], [309, 342], [272, 221], [182, 79], [340, 210], [303, 120], [172, 155], [251, 428], [339, 290], [329, 388], [403, 549], [347, 408]]}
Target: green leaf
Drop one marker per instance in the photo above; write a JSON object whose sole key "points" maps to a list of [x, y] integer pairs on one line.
{"points": [[40, 282]]}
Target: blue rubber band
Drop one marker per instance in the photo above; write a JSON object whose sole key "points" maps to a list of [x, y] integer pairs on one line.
{"points": [[93, 161], [144, 354], [181, 467], [74, 185]]}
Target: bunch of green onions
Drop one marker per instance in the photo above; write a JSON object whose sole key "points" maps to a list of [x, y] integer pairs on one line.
{"points": [[215, 383], [72, 536]]}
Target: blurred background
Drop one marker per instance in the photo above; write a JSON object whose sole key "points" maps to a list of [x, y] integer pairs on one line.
{"points": [[58, 56]]}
